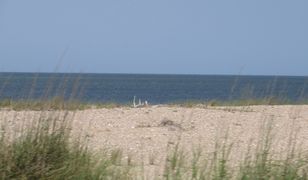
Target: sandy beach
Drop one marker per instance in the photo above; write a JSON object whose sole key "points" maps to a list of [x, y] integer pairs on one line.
{"points": [[148, 134]]}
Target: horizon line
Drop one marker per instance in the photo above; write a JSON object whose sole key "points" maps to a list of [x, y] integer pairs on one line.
{"points": [[166, 74]]}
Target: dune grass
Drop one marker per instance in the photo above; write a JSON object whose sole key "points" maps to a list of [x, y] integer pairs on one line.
{"points": [[59, 103], [258, 164], [239, 102], [47, 151], [56, 103]]}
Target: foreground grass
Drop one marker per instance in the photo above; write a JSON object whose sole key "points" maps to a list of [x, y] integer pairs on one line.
{"points": [[46, 151], [258, 164]]}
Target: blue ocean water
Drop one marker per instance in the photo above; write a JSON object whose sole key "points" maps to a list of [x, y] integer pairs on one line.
{"points": [[121, 88]]}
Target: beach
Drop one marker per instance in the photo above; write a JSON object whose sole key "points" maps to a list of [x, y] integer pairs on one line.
{"points": [[146, 135]]}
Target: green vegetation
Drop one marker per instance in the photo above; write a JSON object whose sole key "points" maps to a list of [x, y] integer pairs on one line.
{"points": [[56, 103], [259, 164], [239, 102], [45, 151]]}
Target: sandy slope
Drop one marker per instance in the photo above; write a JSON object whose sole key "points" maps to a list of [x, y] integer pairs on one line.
{"points": [[147, 133]]}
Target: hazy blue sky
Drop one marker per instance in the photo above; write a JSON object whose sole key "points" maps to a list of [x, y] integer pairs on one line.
{"points": [[155, 36]]}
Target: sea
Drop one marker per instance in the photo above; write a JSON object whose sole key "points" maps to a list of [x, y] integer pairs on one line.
{"points": [[156, 89]]}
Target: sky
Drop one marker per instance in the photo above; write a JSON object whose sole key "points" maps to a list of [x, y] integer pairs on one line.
{"points": [[253, 37]]}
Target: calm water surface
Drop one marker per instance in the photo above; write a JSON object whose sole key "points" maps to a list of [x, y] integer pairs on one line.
{"points": [[156, 89]]}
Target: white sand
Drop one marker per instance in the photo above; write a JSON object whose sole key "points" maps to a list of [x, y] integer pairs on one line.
{"points": [[147, 133]]}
